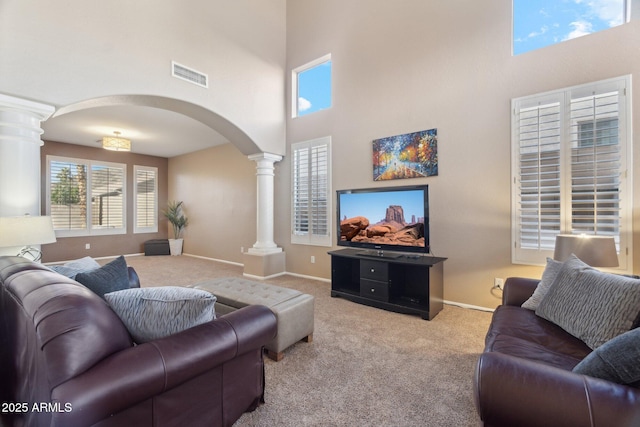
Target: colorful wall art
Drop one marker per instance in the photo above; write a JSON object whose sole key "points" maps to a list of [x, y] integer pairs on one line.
{"points": [[412, 155]]}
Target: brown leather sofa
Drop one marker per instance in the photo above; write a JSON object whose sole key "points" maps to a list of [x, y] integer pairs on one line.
{"points": [[524, 377], [67, 360]]}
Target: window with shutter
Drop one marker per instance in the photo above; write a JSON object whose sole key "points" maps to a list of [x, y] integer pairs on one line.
{"points": [[311, 198], [145, 199], [85, 197], [570, 151]]}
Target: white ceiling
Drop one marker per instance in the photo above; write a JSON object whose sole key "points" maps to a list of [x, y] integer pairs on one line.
{"points": [[152, 131]]}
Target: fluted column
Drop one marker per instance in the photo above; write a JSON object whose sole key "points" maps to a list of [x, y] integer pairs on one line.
{"points": [[265, 216], [20, 142]]}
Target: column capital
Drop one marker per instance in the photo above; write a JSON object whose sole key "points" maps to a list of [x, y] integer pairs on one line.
{"points": [[265, 157], [40, 111]]}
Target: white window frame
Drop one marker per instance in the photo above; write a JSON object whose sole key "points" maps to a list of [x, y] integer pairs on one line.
{"points": [[89, 230], [300, 207], [294, 82], [562, 98], [136, 208]]}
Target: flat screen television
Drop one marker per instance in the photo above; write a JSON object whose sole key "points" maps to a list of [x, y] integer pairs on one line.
{"points": [[384, 219]]}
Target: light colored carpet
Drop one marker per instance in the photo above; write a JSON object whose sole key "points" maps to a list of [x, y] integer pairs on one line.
{"points": [[365, 366]]}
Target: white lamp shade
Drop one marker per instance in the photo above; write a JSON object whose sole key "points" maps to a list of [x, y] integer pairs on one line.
{"points": [[596, 251], [26, 230]]}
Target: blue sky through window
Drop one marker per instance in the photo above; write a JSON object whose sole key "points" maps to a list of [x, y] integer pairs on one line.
{"points": [[314, 89], [540, 23]]}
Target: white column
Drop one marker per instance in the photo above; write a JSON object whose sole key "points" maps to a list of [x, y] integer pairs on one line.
{"points": [[265, 173], [20, 144]]}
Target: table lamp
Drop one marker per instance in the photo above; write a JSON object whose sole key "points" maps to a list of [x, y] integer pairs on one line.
{"points": [[596, 251], [25, 231]]}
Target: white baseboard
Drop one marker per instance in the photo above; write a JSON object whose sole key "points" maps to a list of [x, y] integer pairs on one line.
{"points": [[472, 307]]}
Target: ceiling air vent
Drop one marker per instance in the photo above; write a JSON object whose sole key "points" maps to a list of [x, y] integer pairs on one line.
{"points": [[188, 74]]}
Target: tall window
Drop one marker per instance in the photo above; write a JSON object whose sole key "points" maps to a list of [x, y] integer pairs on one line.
{"points": [[86, 197], [541, 23], [570, 150], [145, 197], [311, 87], [311, 187]]}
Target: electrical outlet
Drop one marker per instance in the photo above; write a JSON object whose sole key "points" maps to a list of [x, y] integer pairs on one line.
{"points": [[313, 259], [87, 246], [241, 249], [498, 283]]}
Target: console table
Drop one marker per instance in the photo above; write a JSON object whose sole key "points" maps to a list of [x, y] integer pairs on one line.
{"points": [[410, 284]]}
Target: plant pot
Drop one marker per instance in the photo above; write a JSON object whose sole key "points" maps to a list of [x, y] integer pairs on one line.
{"points": [[175, 246]]}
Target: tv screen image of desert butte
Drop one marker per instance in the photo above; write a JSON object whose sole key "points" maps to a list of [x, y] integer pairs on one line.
{"points": [[384, 219]]}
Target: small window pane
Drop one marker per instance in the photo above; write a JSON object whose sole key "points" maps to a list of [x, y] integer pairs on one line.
{"points": [[312, 87]]}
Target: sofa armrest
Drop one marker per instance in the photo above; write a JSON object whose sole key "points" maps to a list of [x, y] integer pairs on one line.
{"points": [[518, 289], [510, 391], [138, 373]]}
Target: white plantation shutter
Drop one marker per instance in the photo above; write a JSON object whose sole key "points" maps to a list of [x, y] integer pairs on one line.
{"points": [[145, 199], [107, 197], [311, 199], [67, 194], [570, 175], [85, 197]]}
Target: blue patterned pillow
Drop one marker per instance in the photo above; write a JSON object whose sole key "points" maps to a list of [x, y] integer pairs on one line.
{"points": [[616, 360], [108, 278], [152, 313]]}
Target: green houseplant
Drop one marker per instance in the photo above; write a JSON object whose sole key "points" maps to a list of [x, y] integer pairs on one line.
{"points": [[178, 221]]}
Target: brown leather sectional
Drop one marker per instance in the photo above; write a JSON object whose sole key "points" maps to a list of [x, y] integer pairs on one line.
{"points": [[67, 360], [524, 377]]}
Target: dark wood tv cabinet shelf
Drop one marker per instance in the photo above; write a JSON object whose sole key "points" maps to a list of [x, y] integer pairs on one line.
{"points": [[410, 284]]}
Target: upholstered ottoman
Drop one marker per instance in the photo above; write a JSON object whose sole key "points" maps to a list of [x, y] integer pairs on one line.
{"points": [[293, 309]]}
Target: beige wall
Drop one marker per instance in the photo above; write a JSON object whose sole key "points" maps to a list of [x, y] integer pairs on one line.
{"points": [[69, 248], [406, 66], [218, 188]]}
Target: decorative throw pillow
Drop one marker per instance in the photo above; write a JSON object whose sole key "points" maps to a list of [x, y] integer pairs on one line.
{"points": [[616, 360], [589, 304], [152, 313], [72, 268], [548, 276], [108, 278]]}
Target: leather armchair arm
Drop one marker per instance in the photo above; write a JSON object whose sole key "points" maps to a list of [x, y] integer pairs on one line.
{"points": [[136, 374], [518, 289], [536, 394]]}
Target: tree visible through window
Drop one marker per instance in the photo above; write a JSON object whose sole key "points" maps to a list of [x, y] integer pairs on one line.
{"points": [[86, 197]]}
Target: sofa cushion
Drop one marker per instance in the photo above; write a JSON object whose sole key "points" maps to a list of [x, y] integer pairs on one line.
{"points": [[519, 332], [548, 276], [617, 360], [72, 268], [589, 304], [108, 278], [152, 313]]}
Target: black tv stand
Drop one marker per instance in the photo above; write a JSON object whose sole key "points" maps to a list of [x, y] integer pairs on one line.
{"points": [[411, 284]]}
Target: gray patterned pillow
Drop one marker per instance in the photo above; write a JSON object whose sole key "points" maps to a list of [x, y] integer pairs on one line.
{"points": [[615, 360], [548, 276], [589, 304], [72, 268], [152, 313]]}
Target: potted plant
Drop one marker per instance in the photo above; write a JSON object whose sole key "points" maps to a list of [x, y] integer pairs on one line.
{"points": [[178, 221]]}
